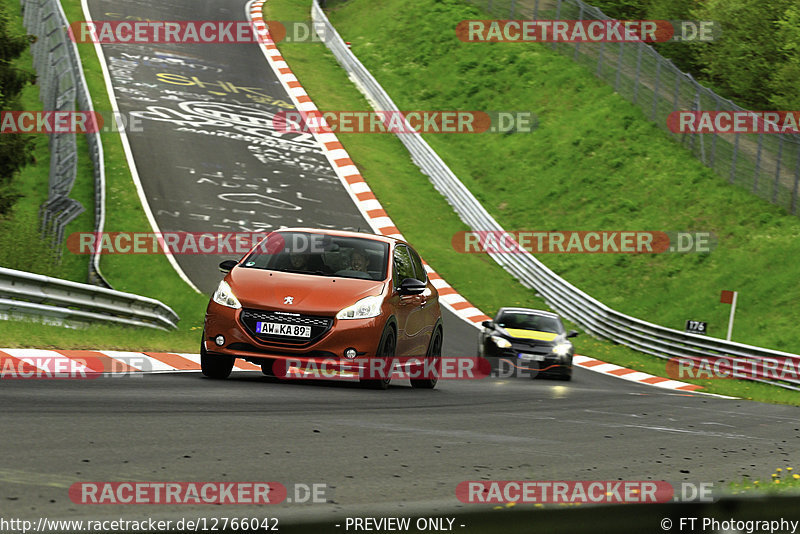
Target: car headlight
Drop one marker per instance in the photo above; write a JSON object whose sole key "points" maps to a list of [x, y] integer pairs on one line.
{"points": [[363, 309], [562, 349], [502, 343], [223, 295]]}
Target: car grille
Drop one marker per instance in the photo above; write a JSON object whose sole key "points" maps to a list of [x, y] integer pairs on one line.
{"points": [[319, 325], [531, 349]]}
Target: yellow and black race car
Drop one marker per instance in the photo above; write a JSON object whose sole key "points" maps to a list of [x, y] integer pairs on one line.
{"points": [[522, 341]]}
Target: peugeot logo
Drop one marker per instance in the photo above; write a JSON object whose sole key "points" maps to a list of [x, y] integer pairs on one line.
{"points": [[288, 300]]}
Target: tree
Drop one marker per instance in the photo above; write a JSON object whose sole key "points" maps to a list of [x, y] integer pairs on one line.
{"points": [[786, 78], [15, 149], [744, 59]]}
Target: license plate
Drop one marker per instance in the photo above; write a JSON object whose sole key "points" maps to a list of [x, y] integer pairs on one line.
{"points": [[283, 329], [532, 357]]}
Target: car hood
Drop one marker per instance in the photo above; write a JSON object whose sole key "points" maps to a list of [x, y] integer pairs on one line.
{"points": [[532, 338], [310, 294], [536, 335]]}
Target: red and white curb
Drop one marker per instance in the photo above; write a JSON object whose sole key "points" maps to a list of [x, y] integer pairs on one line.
{"points": [[42, 363], [598, 366], [348, 173]]}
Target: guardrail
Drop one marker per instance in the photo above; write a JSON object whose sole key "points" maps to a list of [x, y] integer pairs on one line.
{"points": [[591, 314], [27, 294], [62, 83]]}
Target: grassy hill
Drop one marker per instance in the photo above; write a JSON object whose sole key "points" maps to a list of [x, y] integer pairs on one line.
{"points": [[594, 163]]}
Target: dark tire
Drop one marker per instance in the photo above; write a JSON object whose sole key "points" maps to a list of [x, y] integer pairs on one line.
{"points": [[566, 376], [386, 349], [267, 367], [535, 373], [434, 351], [217, 367]]}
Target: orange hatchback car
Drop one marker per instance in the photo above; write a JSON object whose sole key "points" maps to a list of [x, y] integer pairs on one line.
{"points": [[323, 296]]}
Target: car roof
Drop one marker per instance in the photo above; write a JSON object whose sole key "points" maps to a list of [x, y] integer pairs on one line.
{"points": [[530, 311]]}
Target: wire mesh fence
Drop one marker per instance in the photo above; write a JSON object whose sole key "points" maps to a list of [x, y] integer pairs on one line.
{"points": [[62, 85], [766, 164]]}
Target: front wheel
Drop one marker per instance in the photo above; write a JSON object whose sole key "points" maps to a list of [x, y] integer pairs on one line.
{"points": [[268, 367], [217, 367], [434, 353], [386, 350]]}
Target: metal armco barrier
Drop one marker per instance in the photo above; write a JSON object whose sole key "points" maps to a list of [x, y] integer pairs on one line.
{"points": [[591, 314], [62, 82], [27, 294]]}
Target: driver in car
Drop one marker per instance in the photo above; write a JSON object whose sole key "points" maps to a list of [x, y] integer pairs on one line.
{"points": [[358, 261]]}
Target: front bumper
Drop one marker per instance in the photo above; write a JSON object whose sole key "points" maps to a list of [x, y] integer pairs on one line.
{"points": [[361, 334], [530, 361]]}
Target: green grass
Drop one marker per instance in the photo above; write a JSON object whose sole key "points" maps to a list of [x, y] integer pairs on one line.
{"points": [[784, 480], [151, 276], [394, 38]]}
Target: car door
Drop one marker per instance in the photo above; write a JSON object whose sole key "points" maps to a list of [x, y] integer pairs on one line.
{"points": [[422, 320], [407, 306]]}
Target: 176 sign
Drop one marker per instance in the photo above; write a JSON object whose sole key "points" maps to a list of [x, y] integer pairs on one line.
{"points": [[696, 327]]}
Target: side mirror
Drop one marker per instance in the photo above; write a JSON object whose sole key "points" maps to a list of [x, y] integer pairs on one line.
{"points": [[411, 286], [227, 265], [487, 324], [572, 333]]}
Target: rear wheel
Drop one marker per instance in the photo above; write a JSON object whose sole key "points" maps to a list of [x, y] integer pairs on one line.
{"points": [[386, 350], [434, 353], [215, 366]]}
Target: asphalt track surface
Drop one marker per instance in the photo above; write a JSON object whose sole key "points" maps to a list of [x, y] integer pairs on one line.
{"points": [[378, 451], [375, 451]]}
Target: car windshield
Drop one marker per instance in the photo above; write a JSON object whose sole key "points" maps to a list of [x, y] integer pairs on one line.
{"points": [[529, 321], [321, 255]]}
